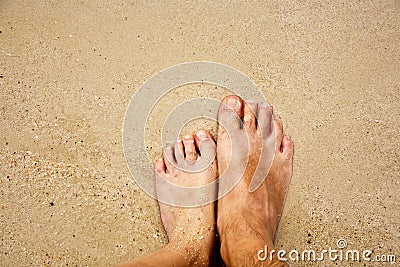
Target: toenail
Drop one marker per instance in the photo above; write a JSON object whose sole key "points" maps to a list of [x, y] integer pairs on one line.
{"points": [[187, 137], [201, 135], [265, 105], [232, 102]]}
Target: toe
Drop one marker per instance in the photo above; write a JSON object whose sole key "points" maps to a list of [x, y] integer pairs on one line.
{"points": [[249, 115], [279, 134], [202, 135], [287, 147], [159, 166], [204, 142], [179, 151], [169, 158], [230, 113], [189, 146], [265, 119]]}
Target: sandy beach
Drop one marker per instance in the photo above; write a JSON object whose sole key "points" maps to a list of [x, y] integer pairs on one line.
{"points": [[68, 70]]}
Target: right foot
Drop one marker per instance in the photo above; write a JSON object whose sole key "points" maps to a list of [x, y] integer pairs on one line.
{"points": [[248, 221]]}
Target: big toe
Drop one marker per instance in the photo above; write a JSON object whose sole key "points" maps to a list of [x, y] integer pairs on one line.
{"points": [[230, 113]]}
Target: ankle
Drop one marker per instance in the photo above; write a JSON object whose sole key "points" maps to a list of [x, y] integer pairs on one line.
{"points": [[243, 238], [192, 253], [233, 253], [247, 226]]}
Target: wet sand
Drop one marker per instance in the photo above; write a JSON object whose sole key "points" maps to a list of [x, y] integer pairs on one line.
{"points": [[68, 71]]}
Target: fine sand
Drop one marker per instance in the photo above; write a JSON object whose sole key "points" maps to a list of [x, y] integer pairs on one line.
{"points": [[69, 68]]}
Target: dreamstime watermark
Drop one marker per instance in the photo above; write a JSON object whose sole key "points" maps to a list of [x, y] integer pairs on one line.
{"points": [[339, 253], [147, 97]]}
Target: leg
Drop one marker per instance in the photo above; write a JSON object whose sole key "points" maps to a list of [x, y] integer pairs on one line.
{"points": [[248, 221], [191, 231]]}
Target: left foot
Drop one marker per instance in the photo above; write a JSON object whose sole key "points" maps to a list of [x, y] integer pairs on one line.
{"points": [[190, 230]]}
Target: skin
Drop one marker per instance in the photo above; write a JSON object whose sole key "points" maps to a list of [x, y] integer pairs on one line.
{"points": [[246, 221], [191, 231]]}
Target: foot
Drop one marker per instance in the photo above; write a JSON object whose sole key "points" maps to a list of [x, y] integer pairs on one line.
{"points": [[247, 221], [190, 230]]}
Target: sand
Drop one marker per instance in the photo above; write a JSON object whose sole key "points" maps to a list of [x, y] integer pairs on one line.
{"points": [[67, 73]]}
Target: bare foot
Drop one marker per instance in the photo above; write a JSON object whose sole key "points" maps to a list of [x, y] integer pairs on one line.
{"points": [[248, 221], [190, 230]]}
